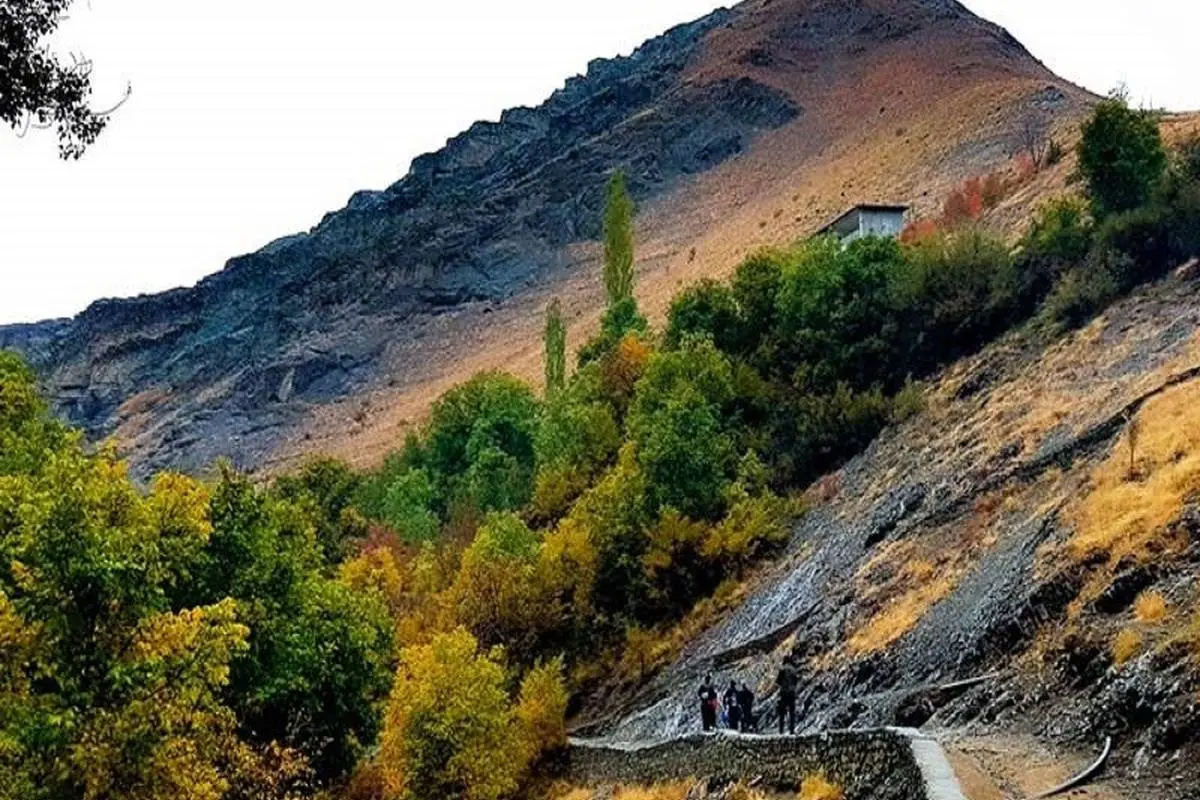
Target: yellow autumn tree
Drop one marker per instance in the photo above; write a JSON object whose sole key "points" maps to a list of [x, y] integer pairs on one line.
{"points": [[169, 736], [542, 708], [494, 591], [450, 731]]}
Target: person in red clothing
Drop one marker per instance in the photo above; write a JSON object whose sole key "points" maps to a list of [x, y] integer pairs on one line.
{"points": [[708, 704]]}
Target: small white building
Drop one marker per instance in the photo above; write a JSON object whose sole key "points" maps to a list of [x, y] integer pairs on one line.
{"points": [[867, 220]]}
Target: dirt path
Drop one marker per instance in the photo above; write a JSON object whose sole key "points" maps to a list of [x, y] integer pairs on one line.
{"points": [[1015, 767]]}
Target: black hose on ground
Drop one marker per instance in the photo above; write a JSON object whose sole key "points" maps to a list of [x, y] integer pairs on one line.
{"points": [[1082, 777]]}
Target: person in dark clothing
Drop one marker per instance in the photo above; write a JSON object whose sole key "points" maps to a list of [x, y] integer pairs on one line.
{"points": [[745, 701], [786, 680], [733, 709], [708, 704]]}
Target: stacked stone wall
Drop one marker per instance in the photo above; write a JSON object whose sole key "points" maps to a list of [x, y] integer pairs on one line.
{"points": [[869, 765]]}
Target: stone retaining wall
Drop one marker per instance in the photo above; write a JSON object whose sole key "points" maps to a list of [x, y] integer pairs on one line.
{"points": [[869, 765]]}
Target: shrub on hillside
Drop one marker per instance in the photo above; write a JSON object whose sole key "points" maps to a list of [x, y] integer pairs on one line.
{"points": [[1186, 158], [1121, 156], [676, 569], [908, 402], [957, 289], [756, 526], [820, 431], [1061, 234], [1180, 197], [1082, 293], [1141, 240]]}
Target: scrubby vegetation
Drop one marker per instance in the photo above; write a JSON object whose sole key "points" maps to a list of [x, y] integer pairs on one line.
{"points": [[414, 632]]}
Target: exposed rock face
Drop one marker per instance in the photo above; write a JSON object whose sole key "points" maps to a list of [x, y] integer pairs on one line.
{"points": [[234, 365]]}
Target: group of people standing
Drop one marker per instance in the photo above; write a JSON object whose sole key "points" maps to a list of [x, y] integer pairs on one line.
{"points": [[735, 708]]}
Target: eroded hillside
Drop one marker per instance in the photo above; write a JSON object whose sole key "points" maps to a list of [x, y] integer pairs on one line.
{"points": [[1035, 525], [749, 127]]}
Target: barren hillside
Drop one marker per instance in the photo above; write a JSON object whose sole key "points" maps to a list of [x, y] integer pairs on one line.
{"points": [[749, 127]]}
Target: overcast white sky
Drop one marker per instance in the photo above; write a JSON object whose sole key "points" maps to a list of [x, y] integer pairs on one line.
{"points": [[252, 118]]}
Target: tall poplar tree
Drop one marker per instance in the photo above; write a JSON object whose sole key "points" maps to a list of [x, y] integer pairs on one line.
{"points": [[556, 348], [618, 241]]}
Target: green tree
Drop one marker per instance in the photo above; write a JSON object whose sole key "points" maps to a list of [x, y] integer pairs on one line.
{"points": [[618, 241], [697, 366], [479, 443], [756, 289], [318, 663], [576, 433], [408, 507], [555, 348], [686, 455], [104, 686], [28, 432], [707, 308], [36, 88], [1121, 156], [837, 314], [327, 488]]}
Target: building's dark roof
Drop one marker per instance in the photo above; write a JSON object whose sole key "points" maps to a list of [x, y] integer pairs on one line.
{"points": [[856, 209]]}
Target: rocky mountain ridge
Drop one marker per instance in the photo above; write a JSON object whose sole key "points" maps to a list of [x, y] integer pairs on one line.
{"points": [[239, 364]]}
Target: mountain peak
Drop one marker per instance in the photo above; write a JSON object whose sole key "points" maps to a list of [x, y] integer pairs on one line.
{"points": [[743, 128]]}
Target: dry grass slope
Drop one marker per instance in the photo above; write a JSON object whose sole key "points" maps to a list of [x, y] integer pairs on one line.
{"points": [[1141, 488]]}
